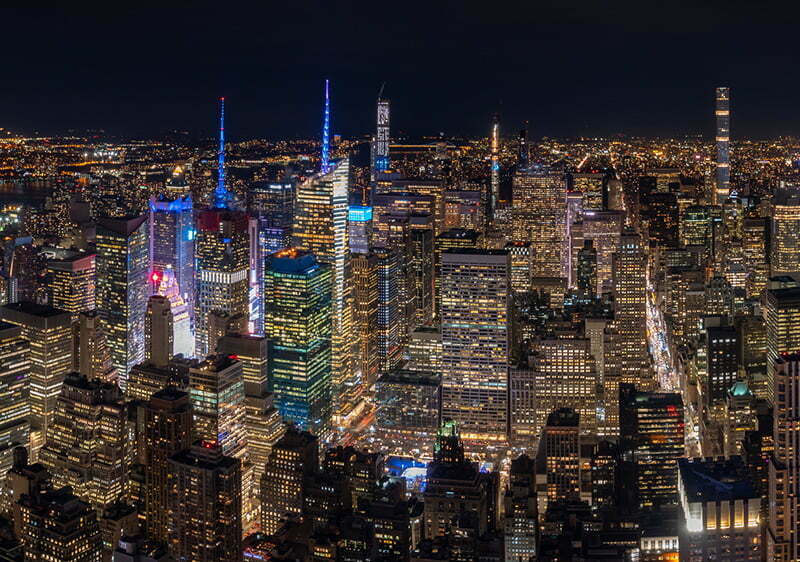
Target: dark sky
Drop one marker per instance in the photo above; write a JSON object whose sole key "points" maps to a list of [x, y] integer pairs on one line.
{"points": [[570, 67]]}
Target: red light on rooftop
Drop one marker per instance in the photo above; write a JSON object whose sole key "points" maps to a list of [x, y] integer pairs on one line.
{"points": [[154, 277]]}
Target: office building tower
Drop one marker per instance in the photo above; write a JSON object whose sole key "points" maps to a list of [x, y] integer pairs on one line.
{"points": [[591, 186], [255, 274], [719, 297], [662, 216], [604, 229], [784, 466], [722, 364], [167, 431], [561, 446], [586, 271], [466, 209], [59, 526], [652, 437], [521, 266], [205, 504], [425, 350], [754, 250], [453, 238], [172, 239], [539, 216], [408, 407], [782, 316], [182, 335], [723, 115], [222, 250], [49, 332], [158, 331], [72, 283], [521, 517], [273, 205], [740, 417], [216, 392], [494, 149], [389, 336], [380, 144], [298, 308], [476, 295], [15, 375], [93, 358], [695, 228], [523, 151], [359, 228], [88, 444], [785, 250], [629, 266], [565, 376], [137, 548], [123, 263], [320, 227], [293, 458], [365, 316], [720, 511]]}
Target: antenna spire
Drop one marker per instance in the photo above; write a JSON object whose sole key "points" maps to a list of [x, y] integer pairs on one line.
{"points": [[326, 126], [221, 194]]}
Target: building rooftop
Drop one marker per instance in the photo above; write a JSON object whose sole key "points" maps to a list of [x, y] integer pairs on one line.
{"points": [[716, 479]]}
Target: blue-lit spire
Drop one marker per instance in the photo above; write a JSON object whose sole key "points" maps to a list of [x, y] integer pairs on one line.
{"points": [[221, 195], [326, 133]]}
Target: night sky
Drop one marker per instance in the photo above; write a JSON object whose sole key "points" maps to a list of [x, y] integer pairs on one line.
{"points": [[645, 67]]}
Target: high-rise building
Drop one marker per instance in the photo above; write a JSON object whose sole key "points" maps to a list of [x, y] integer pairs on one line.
{"points": [[167, 431], [539, 215], [49, 332], [59, 526], [123, 262], [72, 282], [182, 334], [604, 229], [320, 227], [158, 332], [521, 518], [365, 315], [297, 305], [88, 444], [494, 147], [93, 358], [216, 392], [754, 250], [591, 186], [293, 458], [390, 340], [782, 316], [586, 271], [222, 250], [273, 205], [172, 236], [652, 437], [476, 296], [630, 303], [723, 115], [561, 445], [453, 238], [785, 254], [521, 265], [784, 466], [720, 511], [205, 504], [722, 364], [380, 143], [359, 228], [15, 374]]}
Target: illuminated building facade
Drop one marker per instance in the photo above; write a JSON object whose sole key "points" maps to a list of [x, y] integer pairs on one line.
{"points": [[293, 458], [222, 250], [72, 283], [720, 511], [88, 444], [521, 522], [182, 335], [380, 144], [604, 229], [652, 437], [273, 205], [561, 444], [320, 227], [15, 373], [586, 271], [629, 270], [167, 431], [390, 344], [754, 250], [94, 357], [49, 332], [696, 226], [123, 263], [539, 215], [521, 265], [591, 186], [205, 504], [785, 235], [722, 370], [359, 226], [298, 307], [158, 331], [782, 317], [365, 315], [408, 406], [476, 295], [172, 236], [452, 238], [784, 466], [494, 148], [723, 115]]}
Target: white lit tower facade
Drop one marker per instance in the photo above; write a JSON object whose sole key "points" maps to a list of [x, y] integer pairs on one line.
{"points": [[320, 227], [494, 147], [723, 114], [380, 145]]}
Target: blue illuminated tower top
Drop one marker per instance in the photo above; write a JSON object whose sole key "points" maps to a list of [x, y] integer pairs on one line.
{"points": [[326, 126], [221, 195]]}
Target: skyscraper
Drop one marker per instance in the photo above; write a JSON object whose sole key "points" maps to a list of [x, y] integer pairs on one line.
{"points": [[205, 504], [72, 282], [561, 445], [476, 295], [15, 373], [158, 331], [723, 115], [123, 262], [365, 315], [182, 334], [390, 344], [167, 431], [380, 144], [297, 299], [782, 316], [494, 148], [630, 302], [49, 332], [785, 254]]}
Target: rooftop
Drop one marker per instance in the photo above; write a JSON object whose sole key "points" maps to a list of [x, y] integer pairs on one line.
{"points": [[716, 479]]}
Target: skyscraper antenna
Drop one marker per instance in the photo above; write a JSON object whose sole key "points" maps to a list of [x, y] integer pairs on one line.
{"points": [[221, 195], [326, 125], [380, 93]]}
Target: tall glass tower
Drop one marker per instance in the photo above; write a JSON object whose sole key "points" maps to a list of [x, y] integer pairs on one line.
{"points": [[723, 114]]}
